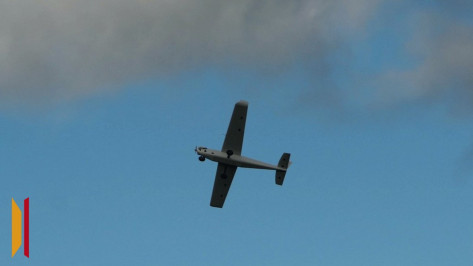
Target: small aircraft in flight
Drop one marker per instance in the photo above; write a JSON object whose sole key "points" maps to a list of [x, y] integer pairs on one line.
{"points": [[229, 158]]}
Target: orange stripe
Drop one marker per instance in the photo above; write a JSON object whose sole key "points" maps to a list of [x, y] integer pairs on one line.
{"points": [[15, 227]]}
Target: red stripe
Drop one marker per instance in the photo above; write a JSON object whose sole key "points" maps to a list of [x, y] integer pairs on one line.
{"points": [[26, 209]]}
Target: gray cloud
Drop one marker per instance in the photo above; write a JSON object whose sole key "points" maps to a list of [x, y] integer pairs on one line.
{"points": [[442, 46], [52, 51], [55, 50]]}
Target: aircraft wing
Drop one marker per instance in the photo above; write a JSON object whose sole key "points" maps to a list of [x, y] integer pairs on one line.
{"points": [[223, 180], [236, 129]]}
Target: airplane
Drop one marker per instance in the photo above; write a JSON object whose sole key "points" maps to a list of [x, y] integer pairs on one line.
{"points": [[230, 158]]}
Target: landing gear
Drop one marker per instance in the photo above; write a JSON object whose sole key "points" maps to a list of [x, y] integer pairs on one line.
{"points": [[201, 158], [229, 153]]}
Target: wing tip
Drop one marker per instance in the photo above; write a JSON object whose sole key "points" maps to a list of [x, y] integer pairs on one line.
{"points": [[242, 103], [216, 205]]}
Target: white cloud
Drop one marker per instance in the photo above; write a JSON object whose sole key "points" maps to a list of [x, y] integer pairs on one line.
{"points": [[52, 50]]}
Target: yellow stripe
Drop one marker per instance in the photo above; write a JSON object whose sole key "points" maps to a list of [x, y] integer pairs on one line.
{"points": [[15, 228]]}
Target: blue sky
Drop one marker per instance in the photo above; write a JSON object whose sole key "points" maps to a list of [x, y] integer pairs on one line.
{"points": [[381, 144]]}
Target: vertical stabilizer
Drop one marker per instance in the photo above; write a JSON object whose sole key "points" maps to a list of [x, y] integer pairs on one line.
{"points": [[283, 163]]}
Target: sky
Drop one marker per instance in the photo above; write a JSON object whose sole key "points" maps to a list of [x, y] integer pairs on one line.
{"points": [[102, 105]]}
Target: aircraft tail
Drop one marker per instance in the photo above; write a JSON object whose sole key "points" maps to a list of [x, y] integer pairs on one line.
{"points": [[283, 163]]}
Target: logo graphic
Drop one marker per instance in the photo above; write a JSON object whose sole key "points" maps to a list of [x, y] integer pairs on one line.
{"points": [[16, 227]]}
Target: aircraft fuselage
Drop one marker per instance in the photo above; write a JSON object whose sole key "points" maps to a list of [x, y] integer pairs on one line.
{"points": [[234, 159]]}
